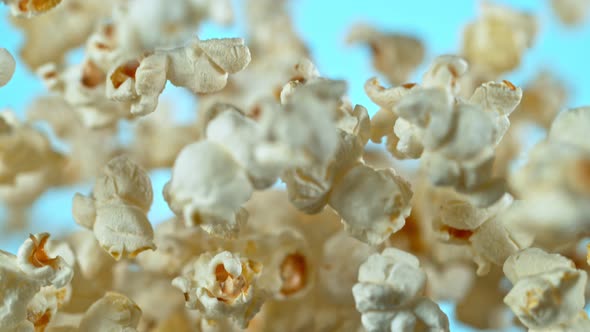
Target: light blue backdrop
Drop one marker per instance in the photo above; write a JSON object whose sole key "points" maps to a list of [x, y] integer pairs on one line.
{"points": [[323, 25]]}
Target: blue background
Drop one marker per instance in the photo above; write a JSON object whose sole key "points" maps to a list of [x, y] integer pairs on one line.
{"points": [[323, 25]]}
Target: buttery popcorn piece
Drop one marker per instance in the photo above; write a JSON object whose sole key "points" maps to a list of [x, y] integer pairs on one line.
{"points": [[571, 12], [117, 209], [223, 285]]}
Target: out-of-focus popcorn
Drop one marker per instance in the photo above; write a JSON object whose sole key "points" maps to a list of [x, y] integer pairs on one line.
{"points": [[30, 8], [389, 294], [542, 99], [158, 139], [117, 209], [112, 312], [23, 277], [7, 66], [48, 37], [548, 291], [552, 187], [571, 12], [496, 41], [341, 259], [223, 285], [89, 150], [147, 25], [395, 56]]}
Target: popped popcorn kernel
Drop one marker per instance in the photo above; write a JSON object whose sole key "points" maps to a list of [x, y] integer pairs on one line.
{"points": [[7, 66]]}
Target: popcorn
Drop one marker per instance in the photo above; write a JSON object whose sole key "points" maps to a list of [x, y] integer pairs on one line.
{"points": [[7, 66], [496, 42], [202, 66], [25, 274], [389, 294], [548, 290], [542, 99], [387, 195], [208, 188], [394, 55], [49, 36], [30, 8], [571, 12], [116, 210], [223, 285], [552, 184], [144, 26]]}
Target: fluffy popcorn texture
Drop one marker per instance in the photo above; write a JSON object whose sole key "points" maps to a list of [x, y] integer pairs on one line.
{"points": [[208, 188], [23, 277], [7, 66], [394, 55], [497, 40], [389, 294], [223, 285], [117, 209], [548, 290]]}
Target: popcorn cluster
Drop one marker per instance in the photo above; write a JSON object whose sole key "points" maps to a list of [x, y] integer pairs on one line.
{"points": [[354, 241]]}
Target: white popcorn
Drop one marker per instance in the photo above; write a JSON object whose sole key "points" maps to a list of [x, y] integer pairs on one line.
{"points": [[208, 188], [7, 66], [113, 312], [117, 209], [30, 8], [23, 276], [223, 285], [389, 295], [548, 290], [385, 199]]}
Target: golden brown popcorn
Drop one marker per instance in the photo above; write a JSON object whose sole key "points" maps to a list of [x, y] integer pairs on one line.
{"points": [[48, 37], [548, 291], [571, 12], [497, 40], [395, 56], [117, 209], [7, 66], [223, 285]]}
